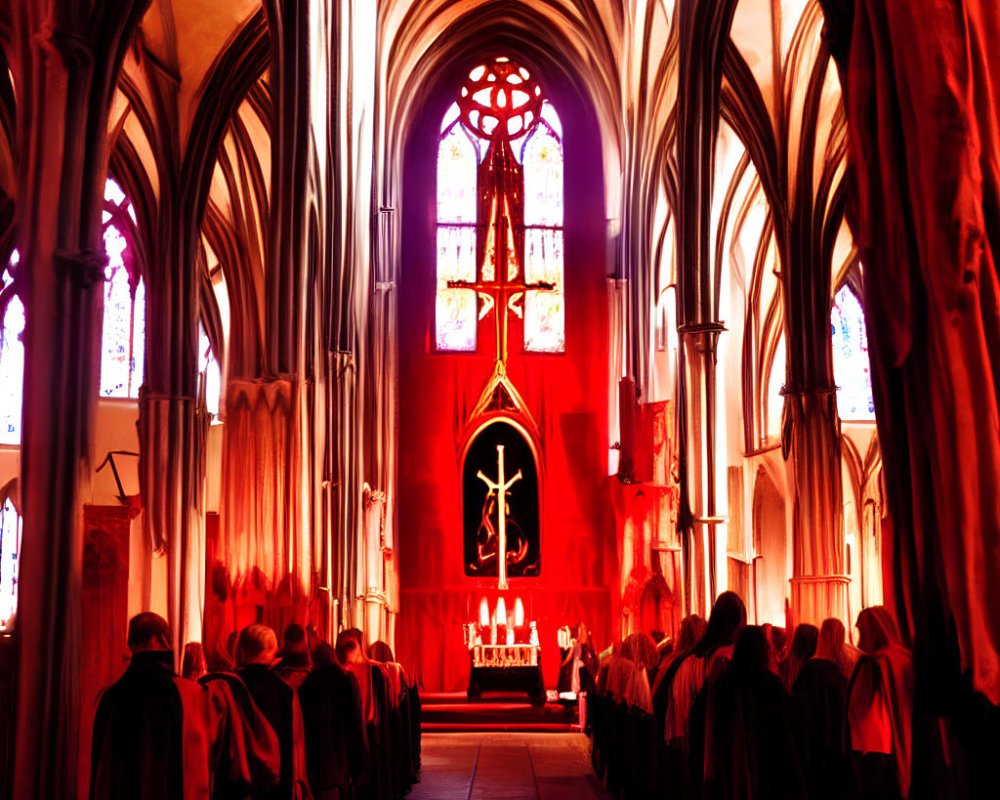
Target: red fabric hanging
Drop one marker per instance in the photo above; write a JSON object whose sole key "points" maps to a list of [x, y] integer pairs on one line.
{"points": [[920, 83]]}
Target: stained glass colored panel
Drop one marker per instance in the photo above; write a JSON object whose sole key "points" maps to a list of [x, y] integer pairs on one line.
{"points": [[10, 550], [544, 319], [138, 363], [543, 178], [123, 332], [11, 371], [851, 368], [455, 311], [500, 112], [456, 177], [117, 330]]}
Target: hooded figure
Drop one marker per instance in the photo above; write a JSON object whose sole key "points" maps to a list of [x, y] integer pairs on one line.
{"points": [[880, 707], [751, 729]]}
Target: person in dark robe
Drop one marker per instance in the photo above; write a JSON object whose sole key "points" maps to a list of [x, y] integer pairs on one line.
{"points": [[820, 692], [803, 648], [395, 720], [711, 654], [751, 729], [256, 653], [295, 662], [692, 629], [684, 730], [578, 666], [350, 651], [336, 749], [151, 730], [246, 754], [322, 654], [880, 708]]}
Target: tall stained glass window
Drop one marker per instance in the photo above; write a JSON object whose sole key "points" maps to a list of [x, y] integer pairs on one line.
{"points": [[11, 357], [851, 368], [10, 550], [123, 334], [500, 212]]}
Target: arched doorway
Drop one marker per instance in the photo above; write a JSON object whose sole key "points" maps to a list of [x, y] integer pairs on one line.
{"points": [[770, 545]]}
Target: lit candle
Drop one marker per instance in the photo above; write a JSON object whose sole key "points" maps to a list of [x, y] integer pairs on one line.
{"points": [[518, 613], [484, 613], [501, 612]]}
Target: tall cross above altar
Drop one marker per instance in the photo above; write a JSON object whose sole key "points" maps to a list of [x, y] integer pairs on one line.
{"points": [[500, 487]]}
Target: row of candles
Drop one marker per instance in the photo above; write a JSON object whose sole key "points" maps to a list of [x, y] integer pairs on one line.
{"points": [[500, 617], [498, 628]]}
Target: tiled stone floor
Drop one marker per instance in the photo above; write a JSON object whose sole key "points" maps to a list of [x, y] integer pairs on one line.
{"points": [[506, 766]]}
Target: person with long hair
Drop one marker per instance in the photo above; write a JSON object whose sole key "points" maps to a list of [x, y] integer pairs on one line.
{"points": [[708, 657], [820, 692], [683, 756], [803, 647], [692, 629], [832, 645]]}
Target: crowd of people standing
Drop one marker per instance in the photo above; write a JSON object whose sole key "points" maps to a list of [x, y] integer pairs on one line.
{"points": [[292, 723], [728, 710]]}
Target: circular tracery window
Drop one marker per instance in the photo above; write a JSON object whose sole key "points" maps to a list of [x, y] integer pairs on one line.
{"points": [[500, 100]]}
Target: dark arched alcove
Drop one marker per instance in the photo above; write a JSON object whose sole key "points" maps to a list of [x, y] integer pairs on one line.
{"points": [[480, 507]]}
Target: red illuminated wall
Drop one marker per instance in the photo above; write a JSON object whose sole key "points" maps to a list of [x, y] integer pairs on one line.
{"points": [[566, 394]]}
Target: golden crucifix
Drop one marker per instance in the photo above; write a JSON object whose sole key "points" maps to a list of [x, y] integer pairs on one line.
{"points": [[500, 487]]}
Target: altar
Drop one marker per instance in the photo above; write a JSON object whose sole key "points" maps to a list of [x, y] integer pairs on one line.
{"points": [[504, 657], [506, 668]]}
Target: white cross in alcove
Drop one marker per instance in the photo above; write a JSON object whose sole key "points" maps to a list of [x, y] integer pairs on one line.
{"points": [[500, 487]]}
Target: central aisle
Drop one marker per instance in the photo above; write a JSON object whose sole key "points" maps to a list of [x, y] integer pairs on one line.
{"points": [[513, 766]]}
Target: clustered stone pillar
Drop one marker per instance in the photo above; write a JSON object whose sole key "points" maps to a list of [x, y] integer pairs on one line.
{"points": [[700, 352], [64, 83], [811, 446]]}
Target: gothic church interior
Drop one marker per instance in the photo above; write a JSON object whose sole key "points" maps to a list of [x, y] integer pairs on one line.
{"points": [[377, 313]]}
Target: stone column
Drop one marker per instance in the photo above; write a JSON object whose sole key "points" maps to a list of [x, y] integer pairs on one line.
{"points": [[810, 441], [700, 344], [64, 83]]}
